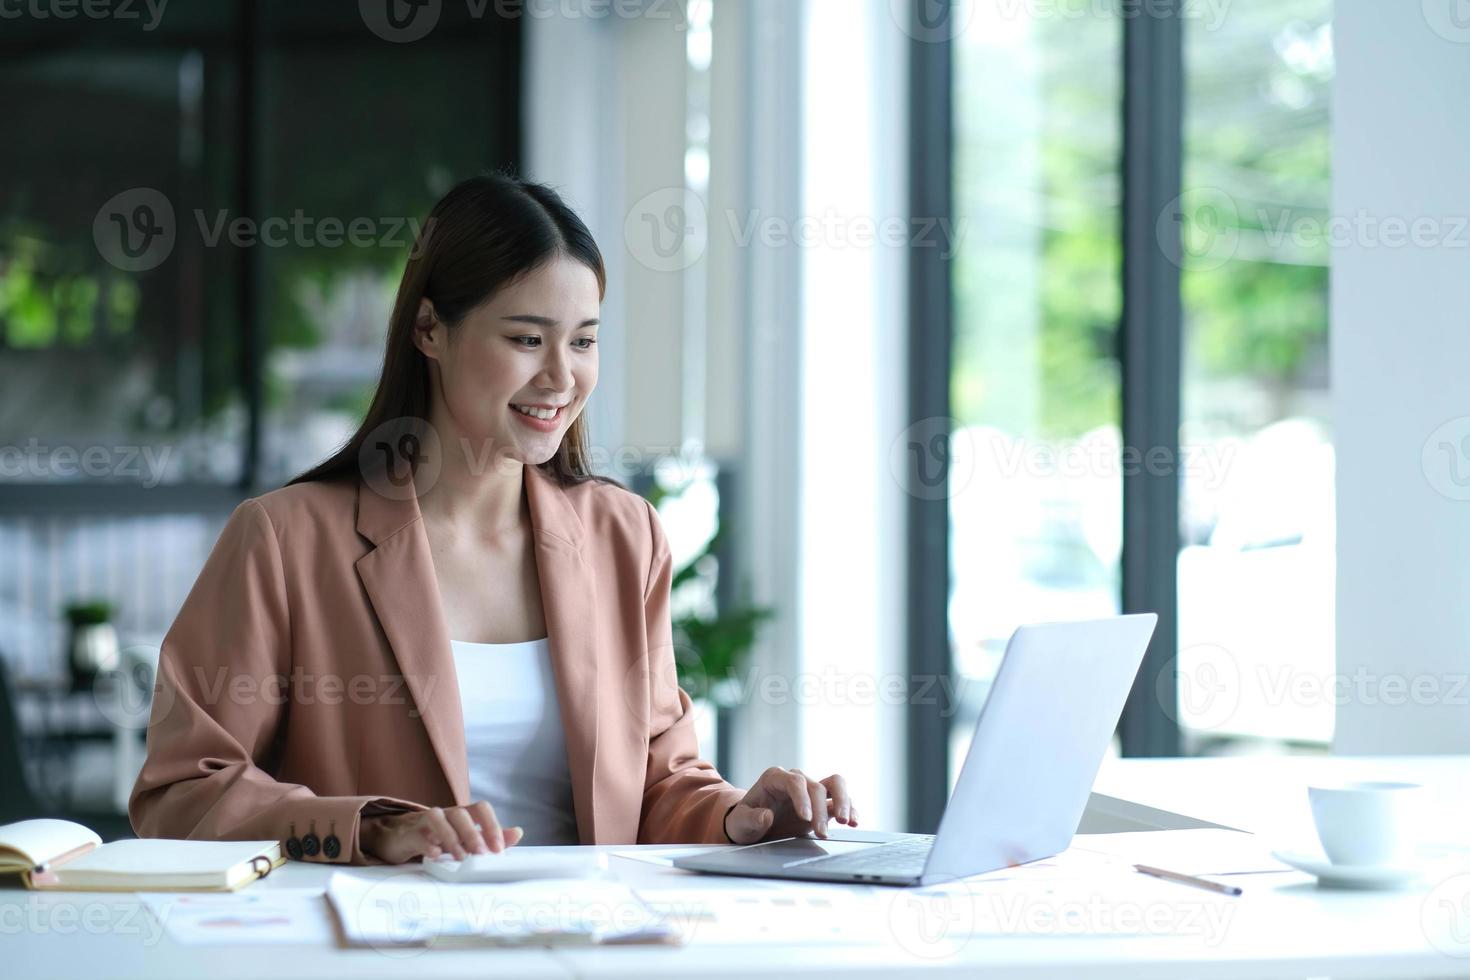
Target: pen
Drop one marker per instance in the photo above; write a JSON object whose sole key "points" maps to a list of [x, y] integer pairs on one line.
{"points": [[1184, 879]]}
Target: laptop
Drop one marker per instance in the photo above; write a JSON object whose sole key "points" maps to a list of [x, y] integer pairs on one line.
{"points": [[1038, 743]]}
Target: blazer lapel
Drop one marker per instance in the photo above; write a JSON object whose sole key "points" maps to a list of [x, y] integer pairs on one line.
{"points": [[399, 578], [401, 584]]}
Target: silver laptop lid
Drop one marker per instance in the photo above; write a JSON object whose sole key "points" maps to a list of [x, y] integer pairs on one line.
{"points": [[1038, 744]]}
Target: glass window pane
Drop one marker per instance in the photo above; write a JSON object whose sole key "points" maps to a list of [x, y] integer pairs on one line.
{"points": [[1257, 563], [118, 355], [1036, 513]]}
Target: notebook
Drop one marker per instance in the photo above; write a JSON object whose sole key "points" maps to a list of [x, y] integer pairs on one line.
{"points": [[64, 856]]}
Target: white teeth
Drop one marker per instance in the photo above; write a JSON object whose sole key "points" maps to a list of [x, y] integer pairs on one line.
{"points": [[546, 414]]}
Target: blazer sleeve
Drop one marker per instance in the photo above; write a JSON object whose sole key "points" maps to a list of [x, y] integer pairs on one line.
{"points": [[203, 777], [684, 798]]}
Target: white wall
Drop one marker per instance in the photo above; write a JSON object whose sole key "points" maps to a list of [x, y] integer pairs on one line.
{"points": [[1400, 352]]}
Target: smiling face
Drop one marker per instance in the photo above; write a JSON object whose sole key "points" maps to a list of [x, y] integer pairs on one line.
{"points": [[530, 348]]}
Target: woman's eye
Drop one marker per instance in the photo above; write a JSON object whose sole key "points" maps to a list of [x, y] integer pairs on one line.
{"points": [[585, 343]]}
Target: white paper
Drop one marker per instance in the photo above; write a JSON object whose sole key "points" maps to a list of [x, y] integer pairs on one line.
{"points": [[256, 915], [1205, 851], [790, 916], [411, 909]]}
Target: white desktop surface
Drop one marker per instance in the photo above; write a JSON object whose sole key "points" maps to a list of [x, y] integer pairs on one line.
{"points": [[1283, 926]]}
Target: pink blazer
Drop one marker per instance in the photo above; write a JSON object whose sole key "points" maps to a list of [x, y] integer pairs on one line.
{"points": [[308, 678]]}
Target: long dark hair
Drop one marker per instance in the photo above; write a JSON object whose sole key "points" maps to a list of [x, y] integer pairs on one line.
{"points": [[481, 235]]}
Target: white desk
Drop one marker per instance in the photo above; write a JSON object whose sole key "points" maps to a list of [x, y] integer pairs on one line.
{"points": [[1282, 927]]}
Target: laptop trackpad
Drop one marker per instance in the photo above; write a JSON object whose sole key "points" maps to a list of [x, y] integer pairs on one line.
{"points": [[796, 850]]}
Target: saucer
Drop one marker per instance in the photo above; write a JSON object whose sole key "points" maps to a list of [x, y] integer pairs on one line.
{"points": [[1359, 876]]}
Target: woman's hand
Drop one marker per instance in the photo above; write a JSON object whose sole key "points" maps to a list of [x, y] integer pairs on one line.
{"points": [[456, 830], [787, 803]]}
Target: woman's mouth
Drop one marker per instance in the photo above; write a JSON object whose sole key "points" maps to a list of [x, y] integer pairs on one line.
{"points": [[540, 419]]}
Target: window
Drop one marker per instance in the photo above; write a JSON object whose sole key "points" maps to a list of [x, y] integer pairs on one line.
{"points": [[1257, 563], [1035, 511], [200, 236]]}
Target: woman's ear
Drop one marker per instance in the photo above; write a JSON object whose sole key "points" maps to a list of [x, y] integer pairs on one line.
{"points": [[429, 332]]}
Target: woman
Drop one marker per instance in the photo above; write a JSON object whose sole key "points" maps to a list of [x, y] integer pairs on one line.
{"points": [[449, 637]]}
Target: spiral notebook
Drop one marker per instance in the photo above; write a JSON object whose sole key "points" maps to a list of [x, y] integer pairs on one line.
{"points": [[61, 855]]}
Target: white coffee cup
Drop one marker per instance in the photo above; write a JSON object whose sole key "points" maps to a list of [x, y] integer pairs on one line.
{"points": [[1367, 823]]}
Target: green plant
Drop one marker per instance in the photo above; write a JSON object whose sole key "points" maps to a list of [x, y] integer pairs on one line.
{"points": [[709, 649], [89, 612]]}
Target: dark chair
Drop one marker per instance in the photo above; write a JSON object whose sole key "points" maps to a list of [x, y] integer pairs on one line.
{"points": [[19, 800]]}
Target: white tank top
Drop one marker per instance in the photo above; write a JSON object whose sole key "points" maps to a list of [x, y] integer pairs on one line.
{"points": [[514, 737]]}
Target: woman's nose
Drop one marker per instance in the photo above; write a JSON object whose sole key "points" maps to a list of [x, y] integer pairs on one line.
{"points": [[556, 373]]}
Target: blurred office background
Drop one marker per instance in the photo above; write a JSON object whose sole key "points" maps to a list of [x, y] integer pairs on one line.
{"points": [[948, 317]]}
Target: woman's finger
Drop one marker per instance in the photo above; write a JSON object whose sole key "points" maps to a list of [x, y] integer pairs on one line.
{"points": [[801, 800], [440, 832], [841, 802], [748, 824], [464, 825], [490, 831], [817, 794]]}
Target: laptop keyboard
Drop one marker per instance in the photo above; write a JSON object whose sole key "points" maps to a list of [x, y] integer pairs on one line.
{"points": [[900, 857]]}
